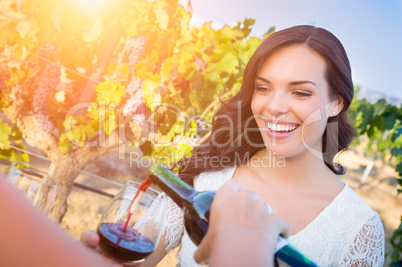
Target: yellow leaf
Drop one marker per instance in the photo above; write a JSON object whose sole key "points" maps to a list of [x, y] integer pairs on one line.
{"points": [[110, 92], [110, 125], [124, 69]]}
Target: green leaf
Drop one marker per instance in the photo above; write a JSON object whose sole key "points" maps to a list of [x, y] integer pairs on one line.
{"points": [[124, 69], [168, 66], [5, 132], [379, 106], [228, 34], [248, 23], [15, 156], [396, 151], [396, 134], [269, 32], [64, 148], [150, 87], [110, 92], [64, 144], [379, 123], [389, 121], [228, 64], [110, 125], [399, 170], [370, 132], [25, 157]]}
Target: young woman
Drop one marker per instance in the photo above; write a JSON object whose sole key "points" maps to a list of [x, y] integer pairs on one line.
{"points": [[278, 137]]}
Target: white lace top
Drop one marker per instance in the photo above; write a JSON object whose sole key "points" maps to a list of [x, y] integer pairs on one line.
{"points": [[346, 233]]}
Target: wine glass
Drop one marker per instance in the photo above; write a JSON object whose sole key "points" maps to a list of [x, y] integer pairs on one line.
{"points": [[34, 183], [128, 230]]}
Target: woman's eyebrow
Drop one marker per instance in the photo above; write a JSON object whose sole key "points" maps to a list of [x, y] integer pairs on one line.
{"points": [[292, 83], [301, 82], [262, 79]]}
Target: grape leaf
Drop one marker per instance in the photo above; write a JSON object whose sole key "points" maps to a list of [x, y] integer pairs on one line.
{"points": [[228, 63], [110, 125], [5, 131], [110, 92]]}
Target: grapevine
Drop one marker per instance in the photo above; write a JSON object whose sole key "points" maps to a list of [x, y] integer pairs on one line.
{"points": [[381, 124]]}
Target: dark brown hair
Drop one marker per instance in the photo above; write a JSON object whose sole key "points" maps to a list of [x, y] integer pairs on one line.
{"points": [[338, 76]]}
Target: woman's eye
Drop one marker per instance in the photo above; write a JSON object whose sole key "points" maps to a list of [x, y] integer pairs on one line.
{"points": [[302, 94], [262, 89]]}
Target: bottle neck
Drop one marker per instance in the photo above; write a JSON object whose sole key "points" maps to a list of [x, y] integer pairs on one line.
{"points": [[179, 191]]}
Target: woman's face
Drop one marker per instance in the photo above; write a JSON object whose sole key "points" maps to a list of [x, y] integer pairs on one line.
{"points": [[291, 101]]}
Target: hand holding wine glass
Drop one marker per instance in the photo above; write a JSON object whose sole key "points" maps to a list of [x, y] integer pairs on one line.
{"points": [[124, 234]]}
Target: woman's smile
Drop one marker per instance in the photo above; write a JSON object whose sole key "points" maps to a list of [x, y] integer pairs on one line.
{"points": [[280, 129]]}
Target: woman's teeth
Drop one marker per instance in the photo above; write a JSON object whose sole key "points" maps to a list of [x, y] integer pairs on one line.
{"points": [[281, 127]]}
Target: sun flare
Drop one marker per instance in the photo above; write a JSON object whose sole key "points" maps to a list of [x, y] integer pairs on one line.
{"points": [[89, 4]]}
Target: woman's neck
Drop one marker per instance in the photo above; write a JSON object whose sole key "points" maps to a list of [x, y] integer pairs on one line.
{"points": [[303, 170]]}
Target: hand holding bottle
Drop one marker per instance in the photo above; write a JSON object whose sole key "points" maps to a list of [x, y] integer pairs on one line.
{"points": [[239, 217]]}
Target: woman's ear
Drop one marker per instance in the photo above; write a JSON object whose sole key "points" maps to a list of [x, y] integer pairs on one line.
{"points": [[337, 106]]}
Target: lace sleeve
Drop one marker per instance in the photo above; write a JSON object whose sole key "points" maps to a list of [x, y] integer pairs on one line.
{"points": [[165, 213], [173, 226], [368, 246]]}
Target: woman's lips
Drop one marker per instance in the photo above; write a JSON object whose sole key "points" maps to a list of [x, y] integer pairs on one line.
{"points": [[280, 129]]}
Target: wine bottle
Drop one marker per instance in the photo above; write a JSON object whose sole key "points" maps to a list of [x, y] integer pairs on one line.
{"points": [[196, 208]]}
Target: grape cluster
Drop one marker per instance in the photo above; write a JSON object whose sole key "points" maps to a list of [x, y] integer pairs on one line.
{"points": [[44, 122], [4, 77], [134, 86], [135, 48], [136, 102], [49, 77], [48, 51], [135, 106], [29, 64], [47, 80]]}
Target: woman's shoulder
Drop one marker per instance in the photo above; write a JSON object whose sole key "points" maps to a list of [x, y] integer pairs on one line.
{"points": [[213, 180], [352, 214], [353, 202], [342, 231]]}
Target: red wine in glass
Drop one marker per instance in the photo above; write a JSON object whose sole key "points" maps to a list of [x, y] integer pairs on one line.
{"points": [[127, 246], [124, 243]]}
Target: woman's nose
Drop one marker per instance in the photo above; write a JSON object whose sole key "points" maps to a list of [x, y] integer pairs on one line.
{"points": [[278, 104]]}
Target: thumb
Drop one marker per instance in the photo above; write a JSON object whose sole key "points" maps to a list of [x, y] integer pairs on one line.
{"points": [[90, 238], [283, 228], [201, 255]]}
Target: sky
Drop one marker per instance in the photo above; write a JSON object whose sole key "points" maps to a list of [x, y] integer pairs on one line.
{"points": [[370, 30]]}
